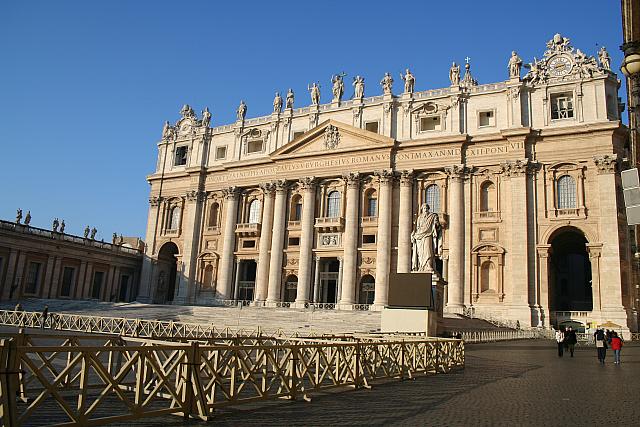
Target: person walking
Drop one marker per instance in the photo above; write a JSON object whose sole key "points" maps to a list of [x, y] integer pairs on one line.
{"points": [[616, 346], [44, 315], [601, 345], [571, 339], [560, 342]]}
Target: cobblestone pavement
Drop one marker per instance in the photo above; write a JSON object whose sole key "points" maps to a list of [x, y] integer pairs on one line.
{"points": [[513, 383]]}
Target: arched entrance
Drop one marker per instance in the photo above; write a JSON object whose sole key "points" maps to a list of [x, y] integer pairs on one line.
{"points": [[569, 272], [290, 288], [167, 270]]}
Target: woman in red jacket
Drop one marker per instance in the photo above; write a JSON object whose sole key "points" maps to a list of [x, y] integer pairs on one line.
{"points": [[616, 346]]}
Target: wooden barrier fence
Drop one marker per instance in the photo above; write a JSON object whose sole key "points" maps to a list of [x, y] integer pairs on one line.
{"points": [[95, 380]]}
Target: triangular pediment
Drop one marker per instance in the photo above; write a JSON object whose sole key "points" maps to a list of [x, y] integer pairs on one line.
{"points": [[333, 137]]}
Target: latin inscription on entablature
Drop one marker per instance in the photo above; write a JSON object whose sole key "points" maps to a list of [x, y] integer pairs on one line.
{"points": [[494, 149], [429, 154]]}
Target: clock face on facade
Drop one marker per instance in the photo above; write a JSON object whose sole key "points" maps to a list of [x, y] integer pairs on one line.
{"points": [[560, 66]]}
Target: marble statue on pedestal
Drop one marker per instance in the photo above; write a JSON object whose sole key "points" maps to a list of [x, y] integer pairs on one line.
{"points": [[454, 74], [93, 233], [387, 84], [55, 225], [277, 103], [358, 84], [425, 241], [167, 131], [290, 99], [114, 238], [515, 63], [86, 232], [604, 58], [314, 90], [62, 225], [241, 112], [409, 81], [27, 219], [18, 216], [206, 117], [338, 86]]}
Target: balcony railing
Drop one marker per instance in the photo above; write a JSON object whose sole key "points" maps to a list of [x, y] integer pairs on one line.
{"points": [[293, 224], [248, 229], [330, 224], [568, 212], [372, 220], [213, 229], [488, 215], [172, 233]]}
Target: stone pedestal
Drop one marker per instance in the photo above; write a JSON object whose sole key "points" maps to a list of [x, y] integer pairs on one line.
{"points": [[409, 320]]}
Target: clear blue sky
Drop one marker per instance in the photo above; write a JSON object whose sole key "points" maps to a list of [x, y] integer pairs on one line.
{"points": [[85, 86]]}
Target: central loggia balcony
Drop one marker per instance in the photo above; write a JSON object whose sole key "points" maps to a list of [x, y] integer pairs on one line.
{"points": [[333, 224], [248, 229]]}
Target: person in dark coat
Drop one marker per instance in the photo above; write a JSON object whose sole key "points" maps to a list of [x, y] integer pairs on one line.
{"points": [[601, 344], [571, 339], [44, 315]]}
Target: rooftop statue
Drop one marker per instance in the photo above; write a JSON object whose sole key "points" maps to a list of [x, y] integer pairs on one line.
{"points": [[114, 238], [55, 225], [93, 233], [167, 131], [387, 84], [86, 232], [290, 99], [454, 74], [604, 58], [314, 90], [358, 84], [515, 64], [409, 81], [18, 216], [27, 219], [241, 112], [206, 117], [425, 241], [187, 112], [62, 225], [338, 86], [277, 103]]}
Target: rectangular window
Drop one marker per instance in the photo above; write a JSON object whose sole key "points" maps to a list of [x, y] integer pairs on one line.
{"points": [[181, 156], [33, 277], [429, 123], [221, 152], [98, 276], [254, 146], [486, 118], [248, 243], [67, 281], [371, 127], [294, 241], [297, 134], [368, 238], [562, 106]]}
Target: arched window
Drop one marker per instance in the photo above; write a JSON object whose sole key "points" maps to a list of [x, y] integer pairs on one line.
{"points": [[432, 197], [488, 197], [371, 204], [566, 192], [296, 208], [174, 218], [367, 290], [254, 212], [487, 276], [333, 204], [213, 215]]}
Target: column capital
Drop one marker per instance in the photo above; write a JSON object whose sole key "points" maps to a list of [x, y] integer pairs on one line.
{"points": [[308, 182], [196, 195], [517, 168], [155, 200], [385, 176], [352, 179], [231, 192], [267, 188], [406, 177], [238, 260], [606, 164], [594, 250], [456, 172], [544, 251], [280, 185]]}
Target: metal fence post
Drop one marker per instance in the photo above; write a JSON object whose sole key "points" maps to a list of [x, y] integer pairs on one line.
{"points": [[8, 381]]}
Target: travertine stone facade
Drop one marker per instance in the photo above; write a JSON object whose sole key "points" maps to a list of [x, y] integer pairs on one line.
{"points": [[317, 204], [37, 263]]}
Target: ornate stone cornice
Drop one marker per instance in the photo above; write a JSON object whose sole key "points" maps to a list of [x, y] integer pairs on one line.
{"points": [[308, 182], [230, 192], [352, 179], [385, 176], [406, 178], [605, 164], [456, 172]]}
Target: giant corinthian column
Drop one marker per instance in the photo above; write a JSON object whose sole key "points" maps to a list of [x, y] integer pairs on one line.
{"points": [[228, 246], [350, 243], [383, 252], [262, 275], [405, 222], [455, 296], [306, 239], [277, 242]]}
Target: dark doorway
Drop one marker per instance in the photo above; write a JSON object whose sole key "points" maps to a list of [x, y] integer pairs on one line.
{"points": [[166, 284], [329, 272], [570, 273], [247, 282], [124, 284]]}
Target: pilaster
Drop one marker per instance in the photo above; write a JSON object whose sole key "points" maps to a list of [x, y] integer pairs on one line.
{"points": [[262, 275], [350, 243], [306, 239], [405, 217], [190, 226], [229, 243], [383, 250], [455, 297], [277, 241]]}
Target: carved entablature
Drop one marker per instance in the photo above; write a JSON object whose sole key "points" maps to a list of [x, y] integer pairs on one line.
{"points": [[560, 62], [605, 164]]}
